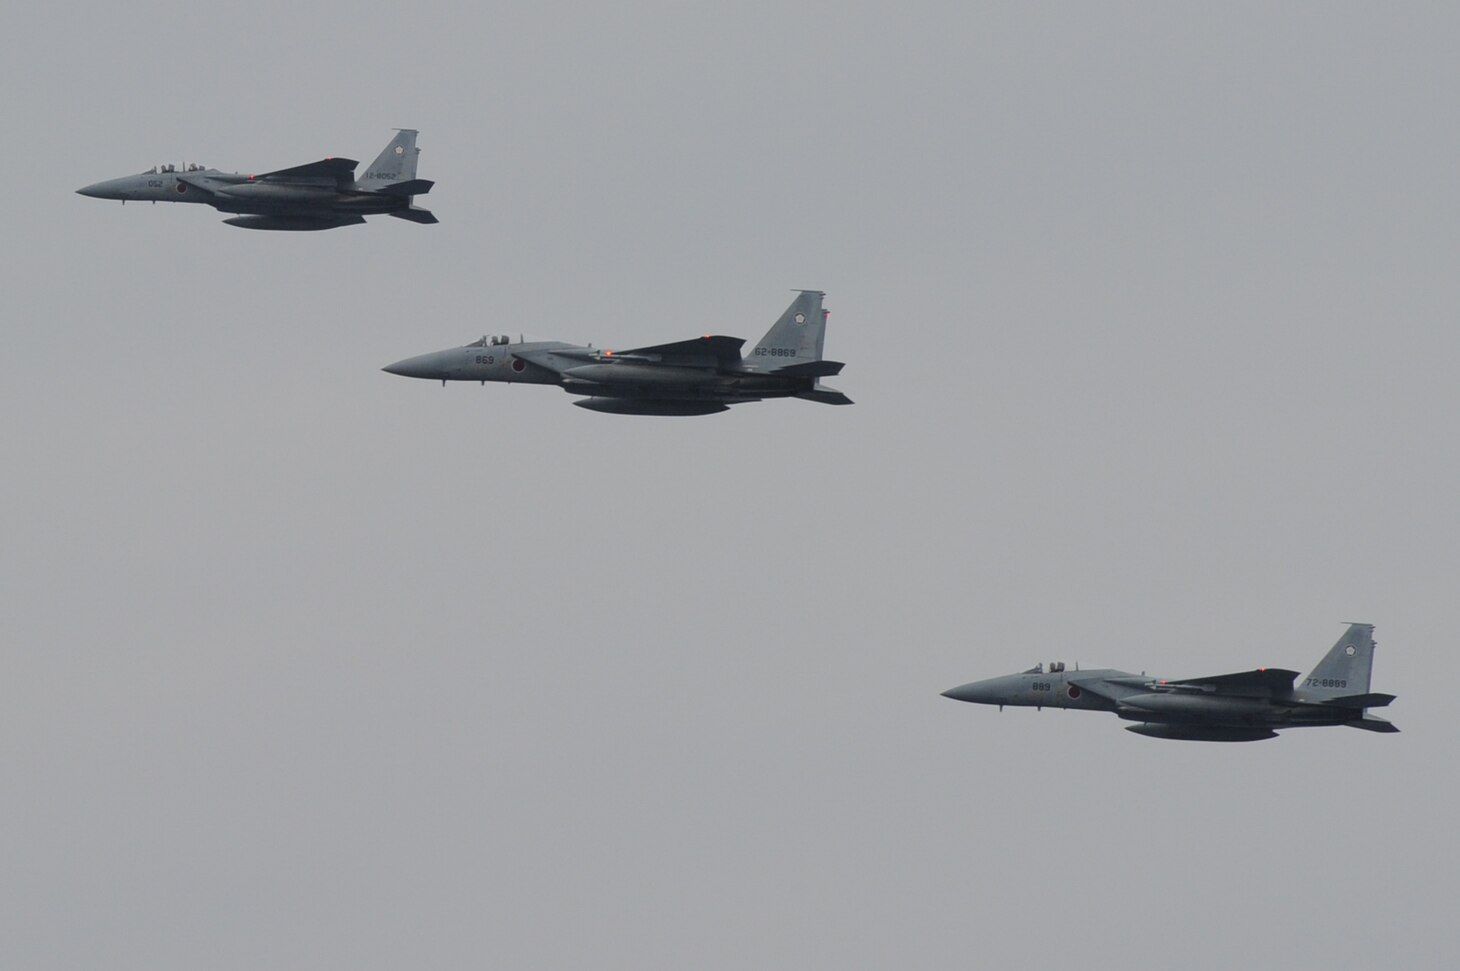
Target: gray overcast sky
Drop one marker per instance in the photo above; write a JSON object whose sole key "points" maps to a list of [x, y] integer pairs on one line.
{"points": [[1149, 313]]}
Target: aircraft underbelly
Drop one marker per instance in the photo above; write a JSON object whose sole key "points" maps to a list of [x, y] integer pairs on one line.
{"points": [[1180, 707], [304, 210], [654, 392], [717, 389], [264, 193], [292, 223], [639, 377], [1203, 733], [650, 406]]}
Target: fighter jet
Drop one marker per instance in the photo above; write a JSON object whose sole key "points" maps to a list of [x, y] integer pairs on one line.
{"points": [[1243, 707], [319, 195], [693, 377]]}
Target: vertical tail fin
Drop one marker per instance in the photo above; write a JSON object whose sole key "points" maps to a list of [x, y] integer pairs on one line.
{"points": [[1345, 669], [797, 337], [396, 163]]}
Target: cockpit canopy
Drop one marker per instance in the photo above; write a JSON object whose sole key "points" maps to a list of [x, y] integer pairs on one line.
{"points": [[163, 169], [496, 341], [1055, 667]]}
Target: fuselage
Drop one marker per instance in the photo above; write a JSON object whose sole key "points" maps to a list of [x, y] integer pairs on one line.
{"points": [[239, 193], [597, 373], [1243, 706], [1141, 698]]}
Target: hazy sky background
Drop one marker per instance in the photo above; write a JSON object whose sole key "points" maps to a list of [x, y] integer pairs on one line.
{"points": [[1149, 314]]}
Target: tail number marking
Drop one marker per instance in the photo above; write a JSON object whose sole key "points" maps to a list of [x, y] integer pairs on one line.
{"points": [[775, 352], [1325, 682]]}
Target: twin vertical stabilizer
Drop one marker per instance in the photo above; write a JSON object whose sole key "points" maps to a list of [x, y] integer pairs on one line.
{"points": [[1345, 669], [794, 339], [394, 173], [395, 163], [793, 346]]}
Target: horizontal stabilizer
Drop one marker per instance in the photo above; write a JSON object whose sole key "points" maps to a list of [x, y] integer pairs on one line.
{"points": [[825, 396], [337, 170], [707, 351], [424, 216], [415, 187], [1370, 724], [811, 369], [1374, 700]]}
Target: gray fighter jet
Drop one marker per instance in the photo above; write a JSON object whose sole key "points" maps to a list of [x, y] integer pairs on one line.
{"points": [[694, 377], [1242, 707], [320, 195]]}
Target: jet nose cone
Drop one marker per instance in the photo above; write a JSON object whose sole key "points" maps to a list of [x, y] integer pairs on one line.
{"points": [[110, 189], [978, 692], [435, 366]]}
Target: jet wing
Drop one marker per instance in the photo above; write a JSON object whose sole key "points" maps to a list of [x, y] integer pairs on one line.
{"points": [[340, 171], [1264, 680], [707, 351]]}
